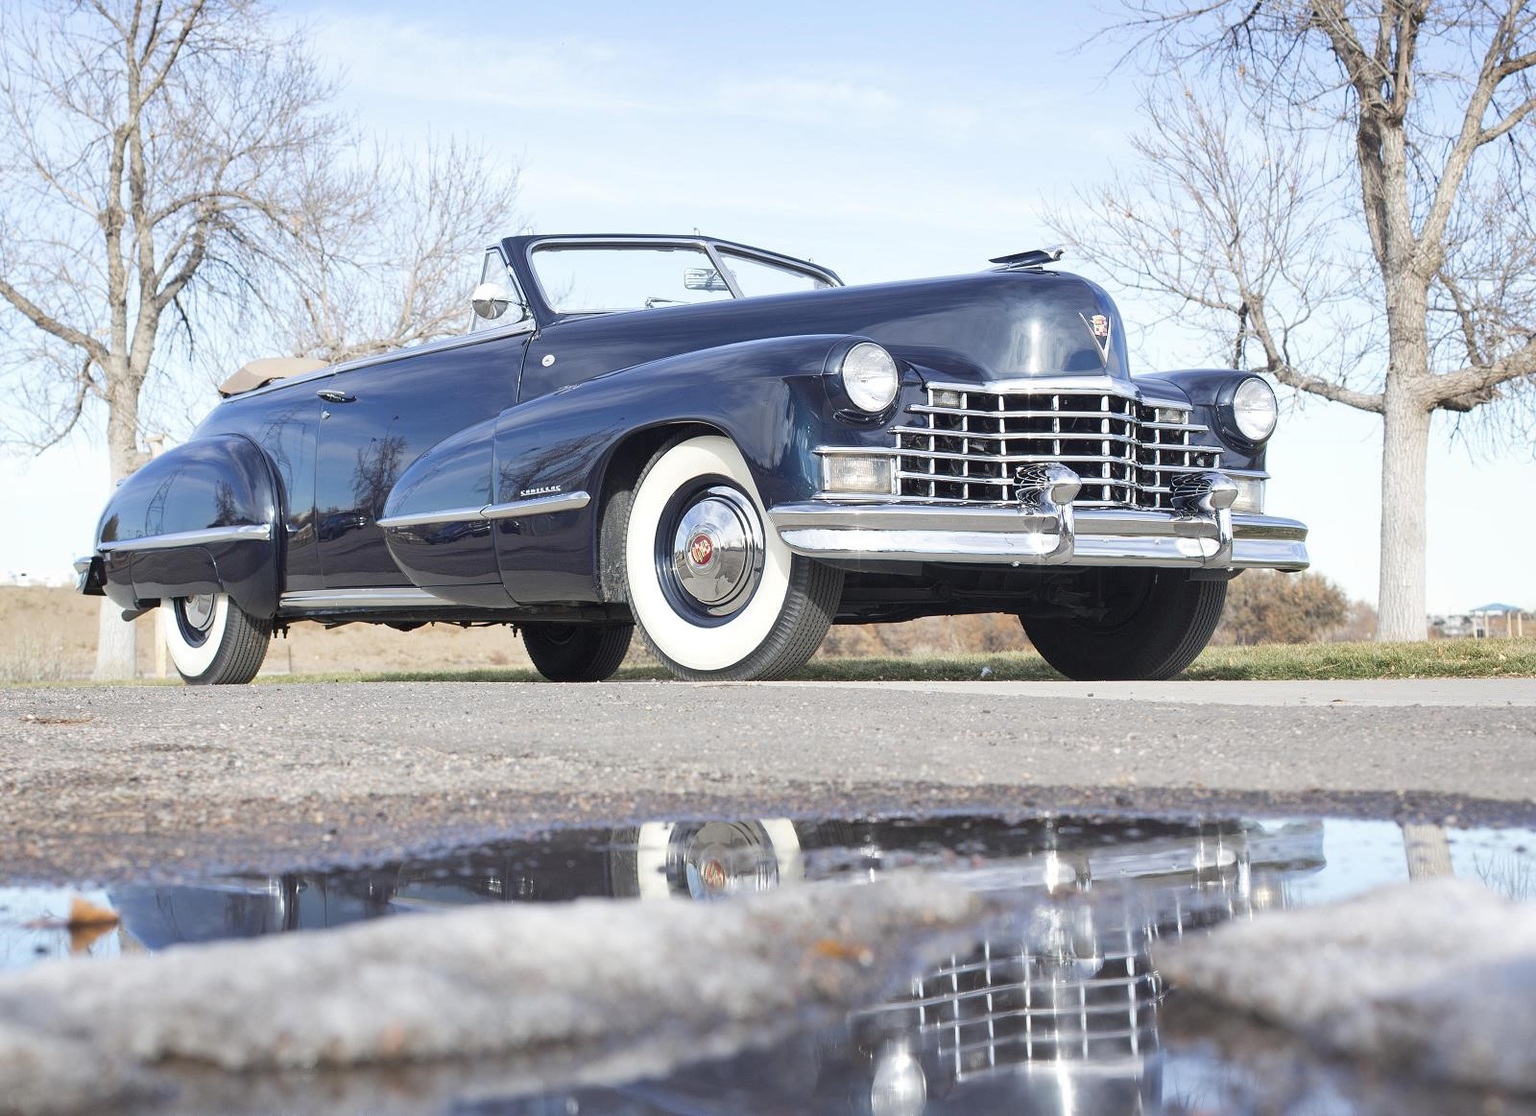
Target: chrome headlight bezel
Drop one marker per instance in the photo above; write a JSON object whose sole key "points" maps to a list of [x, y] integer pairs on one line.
{"points": [[1255, 410], [1249, 411], [869, 376]]}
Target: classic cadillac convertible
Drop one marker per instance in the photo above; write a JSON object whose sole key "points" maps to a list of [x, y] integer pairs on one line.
{"points": [[726, 447]]}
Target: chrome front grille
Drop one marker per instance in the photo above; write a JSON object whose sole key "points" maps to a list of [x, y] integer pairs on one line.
{"points": [[1004, 1006], [966, 445]]}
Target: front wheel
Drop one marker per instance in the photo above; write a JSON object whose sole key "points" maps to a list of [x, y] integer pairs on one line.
{"points": [[716, 593], [1154, 624], [577, 652], [213, 641]]}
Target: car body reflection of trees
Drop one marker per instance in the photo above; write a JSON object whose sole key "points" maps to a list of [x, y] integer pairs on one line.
{"points": [[1055, 1013]]}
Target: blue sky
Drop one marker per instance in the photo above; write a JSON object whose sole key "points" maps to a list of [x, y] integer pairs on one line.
{"points": [[886, 141]]}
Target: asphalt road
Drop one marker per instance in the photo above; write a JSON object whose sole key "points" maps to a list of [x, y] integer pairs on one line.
{"points": [[99, 783]]}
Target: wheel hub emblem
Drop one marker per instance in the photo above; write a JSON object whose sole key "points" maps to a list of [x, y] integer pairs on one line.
{"points": [[701, 550], [714, 876]]}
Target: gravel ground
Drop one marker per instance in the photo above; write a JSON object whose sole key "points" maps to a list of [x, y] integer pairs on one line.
{"points": [[106, 783]]}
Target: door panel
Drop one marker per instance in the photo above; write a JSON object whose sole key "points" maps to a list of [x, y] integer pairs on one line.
{"points": [[376, 420]]}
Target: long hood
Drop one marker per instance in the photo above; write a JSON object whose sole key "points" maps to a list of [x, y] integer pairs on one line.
{"points": [[987, 326]]}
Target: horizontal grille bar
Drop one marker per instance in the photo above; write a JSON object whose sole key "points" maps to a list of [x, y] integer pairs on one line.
{"points": [[1013, 458], [1020, 414]]}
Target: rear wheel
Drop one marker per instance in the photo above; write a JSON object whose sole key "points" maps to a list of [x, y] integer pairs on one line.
{"points": [[213, 641], [715, 591], [577, 652], [1155, 623]]}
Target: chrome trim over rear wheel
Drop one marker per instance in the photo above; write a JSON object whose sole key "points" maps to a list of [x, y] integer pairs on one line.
{"points": [[259, 532]]}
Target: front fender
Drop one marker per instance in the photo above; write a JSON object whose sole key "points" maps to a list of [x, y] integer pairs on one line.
{"points": [[201, 518], [769, 397], [537, 473]]}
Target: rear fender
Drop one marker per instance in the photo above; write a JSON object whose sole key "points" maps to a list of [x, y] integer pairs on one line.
{"points": [[201, 518]]}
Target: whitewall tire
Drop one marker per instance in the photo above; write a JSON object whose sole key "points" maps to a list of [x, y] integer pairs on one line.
{"points": [[712, 860], [212, 640], [714, 590]]}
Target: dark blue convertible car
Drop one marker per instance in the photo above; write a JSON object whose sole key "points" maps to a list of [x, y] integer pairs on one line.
{"points": [[726, 447]]}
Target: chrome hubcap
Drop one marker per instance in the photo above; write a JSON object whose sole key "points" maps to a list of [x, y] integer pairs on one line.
{"points": [[717, 550], [198, 612], [194, 616], [721, 859]]}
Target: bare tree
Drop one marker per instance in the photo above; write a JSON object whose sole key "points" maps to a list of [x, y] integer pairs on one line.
{"points": [[148, 150], [395, 272], [168, 167], [1338, 193]]}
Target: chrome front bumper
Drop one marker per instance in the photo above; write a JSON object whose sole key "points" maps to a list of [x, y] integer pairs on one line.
{"points": [[1054, 534]]}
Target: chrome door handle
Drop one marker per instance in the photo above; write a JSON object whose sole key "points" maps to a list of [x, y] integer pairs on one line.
{"points": [[332, 396]]}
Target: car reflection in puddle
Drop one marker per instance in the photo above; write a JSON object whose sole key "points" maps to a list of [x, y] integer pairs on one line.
{"points": [[1055, 1012]]}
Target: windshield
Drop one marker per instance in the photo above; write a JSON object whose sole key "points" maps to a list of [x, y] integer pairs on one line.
{"points": [[594, 279], [759, 277]]}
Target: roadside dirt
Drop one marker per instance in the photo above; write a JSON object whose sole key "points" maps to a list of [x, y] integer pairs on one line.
{"points": [[49, 634]]}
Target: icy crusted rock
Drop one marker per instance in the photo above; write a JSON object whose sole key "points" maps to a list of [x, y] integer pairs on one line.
{"points": [[1436, 977], [697, 979]]}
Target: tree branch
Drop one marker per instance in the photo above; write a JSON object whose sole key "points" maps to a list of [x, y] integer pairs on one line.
{"points": [[1327, 389], [1431, 247], [51, 325], [1472, 387]]}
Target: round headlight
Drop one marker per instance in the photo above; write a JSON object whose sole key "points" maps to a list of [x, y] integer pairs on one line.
{"points": [[870, 377], [1254, 409]]}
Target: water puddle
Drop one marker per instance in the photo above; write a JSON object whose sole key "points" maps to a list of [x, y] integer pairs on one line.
{"points": [[1057, 1009]]}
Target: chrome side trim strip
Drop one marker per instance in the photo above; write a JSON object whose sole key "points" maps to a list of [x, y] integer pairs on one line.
{"points": [[313, 600], [453, 515], [539, 505], [259, 532]]}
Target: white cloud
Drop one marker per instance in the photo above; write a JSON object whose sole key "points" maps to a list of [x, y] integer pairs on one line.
{"points": [[424, 64]]}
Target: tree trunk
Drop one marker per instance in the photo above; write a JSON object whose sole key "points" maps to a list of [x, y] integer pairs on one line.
{"points": [[1404, 490], [117, 643]]}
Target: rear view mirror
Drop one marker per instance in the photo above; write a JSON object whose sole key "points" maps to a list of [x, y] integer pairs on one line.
{"points": [[704, 279]]}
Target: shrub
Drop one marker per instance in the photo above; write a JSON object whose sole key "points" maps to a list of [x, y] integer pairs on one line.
{"points": [[1264, 606]]}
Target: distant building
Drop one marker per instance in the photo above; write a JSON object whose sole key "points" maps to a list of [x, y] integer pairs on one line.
{"points": [[12, 579], [1489, 620]]}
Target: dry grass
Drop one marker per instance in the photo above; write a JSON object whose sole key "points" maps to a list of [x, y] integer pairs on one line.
{"points": [[49, 635], [63, 619], [1441, 658]]}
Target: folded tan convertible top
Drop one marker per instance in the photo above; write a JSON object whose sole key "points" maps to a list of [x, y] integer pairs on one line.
{"points": [[265, 370]]}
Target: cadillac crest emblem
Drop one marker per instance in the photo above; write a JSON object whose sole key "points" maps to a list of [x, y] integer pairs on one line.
{"points": [[1098, 326]]}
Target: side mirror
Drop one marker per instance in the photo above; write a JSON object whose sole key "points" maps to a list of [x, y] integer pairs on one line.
{"points": [[490, 301]]}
